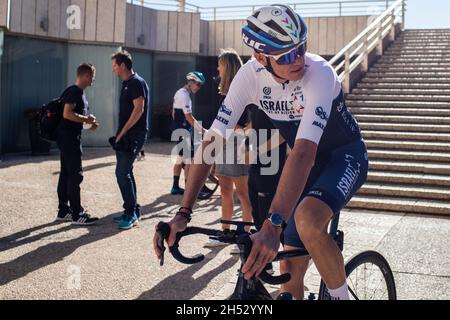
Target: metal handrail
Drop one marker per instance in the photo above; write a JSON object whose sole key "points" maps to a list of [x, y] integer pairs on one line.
{"points": [[356, 53], [308, 9]]}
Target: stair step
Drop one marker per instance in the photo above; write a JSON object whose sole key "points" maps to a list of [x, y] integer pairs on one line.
{"points": [[393, 74], [373, 118], [410, 156], [418, 47], [406, 80], [399, 205], [409, 178], [411, 167], [386, 59], [387, 190], [398, 104], [395, 68], [417, 55], [380, 112], [399, 97], [412, 86], [402, 136], [405, 91], [405, 127], [405, 145], [412, 65], [413, 51]]}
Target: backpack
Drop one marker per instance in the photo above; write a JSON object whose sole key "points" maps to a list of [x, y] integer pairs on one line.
{"points": [[50, 117]]}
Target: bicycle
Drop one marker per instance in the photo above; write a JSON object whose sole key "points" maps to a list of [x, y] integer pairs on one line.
{"points": [[357, 268]]}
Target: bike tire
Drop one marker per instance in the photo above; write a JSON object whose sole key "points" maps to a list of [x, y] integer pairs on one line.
{"points": [[367, 257]]}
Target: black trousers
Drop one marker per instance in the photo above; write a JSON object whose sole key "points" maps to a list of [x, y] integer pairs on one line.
{"points": [[261, 190], [71, 174]]}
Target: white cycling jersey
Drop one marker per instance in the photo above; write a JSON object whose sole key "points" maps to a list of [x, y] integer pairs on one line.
{"points": [[182, 101], [312, 108]]}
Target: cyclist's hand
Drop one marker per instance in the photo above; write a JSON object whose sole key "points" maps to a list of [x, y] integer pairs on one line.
{"points": [[178, 224], [264, 250]]}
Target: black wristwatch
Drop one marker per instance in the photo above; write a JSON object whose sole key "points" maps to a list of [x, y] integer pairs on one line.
{"points": [[277, 220]]}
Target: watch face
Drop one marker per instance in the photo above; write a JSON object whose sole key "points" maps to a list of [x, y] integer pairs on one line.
{"points": [[276, 219]]}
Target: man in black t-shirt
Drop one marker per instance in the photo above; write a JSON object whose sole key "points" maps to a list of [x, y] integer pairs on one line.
{"points": [[75, 114], [131, 134]]}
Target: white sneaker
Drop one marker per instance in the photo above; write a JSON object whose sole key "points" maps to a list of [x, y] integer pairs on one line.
{"points": [[211, 243], [235, 249]]}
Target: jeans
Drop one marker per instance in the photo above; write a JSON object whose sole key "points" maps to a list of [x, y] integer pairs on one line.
{"points": [[125, 177], [71, 174]]}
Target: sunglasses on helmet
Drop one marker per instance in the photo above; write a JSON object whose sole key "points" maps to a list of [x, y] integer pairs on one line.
{"points": [[290, 56]]}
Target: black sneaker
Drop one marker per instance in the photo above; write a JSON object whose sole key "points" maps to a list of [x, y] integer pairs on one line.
{"points": [[84, 219], [64, 215]]}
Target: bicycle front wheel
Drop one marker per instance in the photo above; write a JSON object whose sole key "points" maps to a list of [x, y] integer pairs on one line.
{"points": [[369, 277]]}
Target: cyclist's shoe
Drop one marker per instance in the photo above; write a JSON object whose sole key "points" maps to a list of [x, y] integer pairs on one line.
{"points": [[83, 219], [269, 269], [128, 222], [64, 215], [176, 191], [205, 193], [285, 296]]}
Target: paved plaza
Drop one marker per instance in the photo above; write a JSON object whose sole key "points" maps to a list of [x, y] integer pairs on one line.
{"points": [[43, 259]]}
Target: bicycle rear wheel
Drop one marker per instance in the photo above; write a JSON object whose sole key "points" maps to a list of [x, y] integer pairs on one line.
{"points": [[369, 277]]}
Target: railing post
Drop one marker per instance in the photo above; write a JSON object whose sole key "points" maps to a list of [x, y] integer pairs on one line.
{"points": [[392, 34], [181, 5], [215, 9], [365, 64], [380, 39], [346, 84], [403, 14], [340, 9]]}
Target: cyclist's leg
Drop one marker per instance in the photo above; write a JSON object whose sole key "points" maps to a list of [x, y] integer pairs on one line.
{"points": [[339, 179], [297, 268], [226, 194], [312, 219], [241, 184]]}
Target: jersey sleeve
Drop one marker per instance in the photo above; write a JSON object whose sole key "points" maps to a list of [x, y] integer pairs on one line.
{"points": [[319, 100], [240, 95], [71, 96], [187, 104], [137, 89]]}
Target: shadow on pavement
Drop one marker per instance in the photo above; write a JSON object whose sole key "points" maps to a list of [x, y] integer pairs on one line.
{"points": [[183, 285]]}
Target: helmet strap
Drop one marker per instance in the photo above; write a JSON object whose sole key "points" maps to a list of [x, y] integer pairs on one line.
{"points": [[270, 69]]}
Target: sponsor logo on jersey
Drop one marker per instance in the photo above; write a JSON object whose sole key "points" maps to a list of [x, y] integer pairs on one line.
{"points": [[340, 107], [321, 113], [223, 120], [315, 193], [224, 109], [260, 69], [267, 91], [350, 176], [319, 124]]}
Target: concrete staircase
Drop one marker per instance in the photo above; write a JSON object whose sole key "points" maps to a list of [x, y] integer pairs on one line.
{"points": [[403, 107]]}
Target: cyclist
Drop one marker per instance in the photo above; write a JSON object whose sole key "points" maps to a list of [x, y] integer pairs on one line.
{"points": [[302, 95], [183, 119]]}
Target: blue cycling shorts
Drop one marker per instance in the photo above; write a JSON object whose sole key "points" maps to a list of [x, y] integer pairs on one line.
{"points": [[333, 180]]}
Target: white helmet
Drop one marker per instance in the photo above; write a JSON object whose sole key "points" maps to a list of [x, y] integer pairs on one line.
{"points": [[274, 28], [196, 77]]}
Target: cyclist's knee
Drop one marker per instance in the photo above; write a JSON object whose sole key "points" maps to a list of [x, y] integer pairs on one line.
{"points": [[310, 225]]}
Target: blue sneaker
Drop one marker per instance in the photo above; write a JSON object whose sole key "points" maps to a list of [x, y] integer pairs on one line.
{"points": [[176, 191], [128, 222], [118, 219]]}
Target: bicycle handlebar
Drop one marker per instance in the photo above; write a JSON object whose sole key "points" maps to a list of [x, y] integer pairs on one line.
{"points": [[240, 238]]}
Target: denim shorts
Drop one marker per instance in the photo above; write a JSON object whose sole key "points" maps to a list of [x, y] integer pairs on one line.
{"points": [[333, 181]]}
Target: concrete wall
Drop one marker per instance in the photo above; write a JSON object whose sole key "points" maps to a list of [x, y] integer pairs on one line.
{"points": [[4, 13], [103, 95], [165, 31], [97, 21], [327, 35]]}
